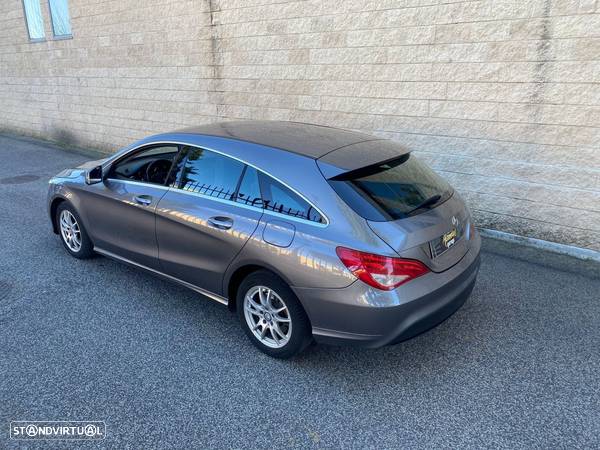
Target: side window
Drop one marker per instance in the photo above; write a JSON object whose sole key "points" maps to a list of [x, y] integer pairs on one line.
{"points": [[210, 173], [33, 17], [280, 199], [150, 165], [61, 21], [249, 190]]}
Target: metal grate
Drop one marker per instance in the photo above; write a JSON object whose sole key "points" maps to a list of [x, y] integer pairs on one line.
{"points": [[219, 192]]}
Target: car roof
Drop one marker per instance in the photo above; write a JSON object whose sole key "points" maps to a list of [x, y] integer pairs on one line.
{"points": [[313, 141]]}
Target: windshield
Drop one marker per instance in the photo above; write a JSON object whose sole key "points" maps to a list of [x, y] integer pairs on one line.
{"points": [[392, 190]]}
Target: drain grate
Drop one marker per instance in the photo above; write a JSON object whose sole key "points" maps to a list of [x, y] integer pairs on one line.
{"points": [[19, 179]]}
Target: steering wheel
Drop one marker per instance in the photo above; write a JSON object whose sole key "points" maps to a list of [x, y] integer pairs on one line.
{"points": [[157, 170]]}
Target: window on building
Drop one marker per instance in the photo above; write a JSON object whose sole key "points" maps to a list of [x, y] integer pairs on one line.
{"points": [[61, 21], [34, 20]]}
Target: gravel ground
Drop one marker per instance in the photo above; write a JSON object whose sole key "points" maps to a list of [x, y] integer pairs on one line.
{"points": [[517, 366]]}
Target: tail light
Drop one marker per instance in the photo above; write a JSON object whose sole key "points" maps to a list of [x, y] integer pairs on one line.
{"points": [[381, 272]]}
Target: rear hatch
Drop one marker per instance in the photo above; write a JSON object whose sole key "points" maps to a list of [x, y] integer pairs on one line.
{"points": [[412, 209]]}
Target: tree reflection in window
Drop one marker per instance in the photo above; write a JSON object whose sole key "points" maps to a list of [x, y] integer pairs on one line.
{"points": [[211, 174]]}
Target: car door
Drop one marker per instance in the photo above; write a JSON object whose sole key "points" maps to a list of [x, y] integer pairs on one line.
{"points": [[122, 207], [203, 223]]}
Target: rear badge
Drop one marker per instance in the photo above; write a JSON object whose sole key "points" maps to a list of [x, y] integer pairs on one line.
{"points": [[449, 238]]}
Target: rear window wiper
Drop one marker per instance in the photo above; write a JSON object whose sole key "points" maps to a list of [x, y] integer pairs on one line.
{"points": [[426, 203]]}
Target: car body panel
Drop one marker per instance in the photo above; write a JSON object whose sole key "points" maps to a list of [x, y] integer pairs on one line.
{"points": [[301, 138], [190, 248], [368, 317], [410, 236], [122, 225], [357, 155]]}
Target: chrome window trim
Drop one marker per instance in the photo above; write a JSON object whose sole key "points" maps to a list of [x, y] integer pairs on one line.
{"points": [[139, 183], [191, 286], [251, 208], [276, 214]]}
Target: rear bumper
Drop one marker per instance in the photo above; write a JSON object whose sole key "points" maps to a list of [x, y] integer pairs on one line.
{"points": [[362, 316]]}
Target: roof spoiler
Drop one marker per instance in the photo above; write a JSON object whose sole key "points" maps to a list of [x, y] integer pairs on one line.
{"points": [[359, 156]]}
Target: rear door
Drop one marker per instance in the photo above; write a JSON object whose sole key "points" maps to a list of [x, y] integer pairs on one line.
{"points": [[206, 218]]}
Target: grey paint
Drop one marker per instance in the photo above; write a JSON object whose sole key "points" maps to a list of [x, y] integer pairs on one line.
{"points": [[279, 233], [192, 249], [176, 234], [119, 223]]}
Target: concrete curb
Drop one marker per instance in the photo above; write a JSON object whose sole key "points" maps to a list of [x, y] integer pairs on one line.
{"points": [[562, 249]]}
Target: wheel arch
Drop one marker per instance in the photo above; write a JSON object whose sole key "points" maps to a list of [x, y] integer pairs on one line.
{"points": [[56, 201], [240, 272]]}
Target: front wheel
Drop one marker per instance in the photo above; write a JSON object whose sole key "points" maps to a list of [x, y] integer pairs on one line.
{"points": [[272, 316], [72, 232]]}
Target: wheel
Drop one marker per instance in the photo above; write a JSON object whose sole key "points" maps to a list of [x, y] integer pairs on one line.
{"points": [[72, 232], [272, 316]]}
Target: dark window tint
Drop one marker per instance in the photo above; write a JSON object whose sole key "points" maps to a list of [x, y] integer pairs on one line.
{"points": [[392, 190], [210, 173], [249, 191], [151, 165], [280, 199]]}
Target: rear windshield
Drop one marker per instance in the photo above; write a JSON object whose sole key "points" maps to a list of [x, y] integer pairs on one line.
{"points": [[392, 190]]}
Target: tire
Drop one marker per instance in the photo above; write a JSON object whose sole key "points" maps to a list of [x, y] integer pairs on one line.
{"points": [[72, 233], [265, 312]]}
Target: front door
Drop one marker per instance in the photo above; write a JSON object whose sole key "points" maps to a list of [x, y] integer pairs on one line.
{"points": [[123, 206]]}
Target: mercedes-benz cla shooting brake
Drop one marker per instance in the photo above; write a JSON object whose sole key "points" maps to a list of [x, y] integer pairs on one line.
{"points": [[308, 232]]}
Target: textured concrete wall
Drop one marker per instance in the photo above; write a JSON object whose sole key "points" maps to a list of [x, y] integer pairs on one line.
{"points": [[501, 97], [132, 68]]}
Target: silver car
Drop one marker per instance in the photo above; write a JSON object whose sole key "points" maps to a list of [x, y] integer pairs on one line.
{"points": [[308, 232]]}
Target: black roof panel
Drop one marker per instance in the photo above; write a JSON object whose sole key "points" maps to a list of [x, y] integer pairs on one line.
{"points": [[305, 139]]}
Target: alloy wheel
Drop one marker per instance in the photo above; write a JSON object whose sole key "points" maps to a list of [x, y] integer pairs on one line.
{"points": [[70, 231], [267, 316]]}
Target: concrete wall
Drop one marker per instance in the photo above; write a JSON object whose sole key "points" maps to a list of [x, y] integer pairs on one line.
{"points": [[501, 97], [132, 68]]}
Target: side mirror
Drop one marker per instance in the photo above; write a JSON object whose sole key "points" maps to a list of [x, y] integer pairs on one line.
{"points": [[94, 175]]}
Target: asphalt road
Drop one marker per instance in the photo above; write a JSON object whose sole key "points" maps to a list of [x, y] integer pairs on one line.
{"points": [[517, 366]]}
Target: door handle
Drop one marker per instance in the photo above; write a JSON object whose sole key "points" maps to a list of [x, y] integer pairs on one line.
{"points": [[143, 199], [220, 222]]}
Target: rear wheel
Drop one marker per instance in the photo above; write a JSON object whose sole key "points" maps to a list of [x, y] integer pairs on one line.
{"points": [[272, 316], [72, 232]]}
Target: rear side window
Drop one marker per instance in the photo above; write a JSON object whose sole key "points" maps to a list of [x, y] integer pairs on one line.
{"points": [[392, 190], [209, 173], [249, 190], [280, 199]]}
